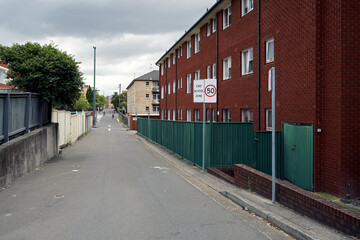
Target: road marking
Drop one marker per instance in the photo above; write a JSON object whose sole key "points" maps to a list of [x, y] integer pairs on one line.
{"points": [[161, 168], [59, 196], [75, 170], [109, 129], [109, 126], [8, 215]]}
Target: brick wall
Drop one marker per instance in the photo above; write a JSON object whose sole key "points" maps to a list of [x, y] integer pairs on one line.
{"points": [[300, 200]]}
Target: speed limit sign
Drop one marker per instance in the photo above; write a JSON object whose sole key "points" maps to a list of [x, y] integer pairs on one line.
{"points": [[210, 91]]}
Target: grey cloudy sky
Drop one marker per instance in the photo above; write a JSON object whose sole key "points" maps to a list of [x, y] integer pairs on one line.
{"points": [[128, 35]]}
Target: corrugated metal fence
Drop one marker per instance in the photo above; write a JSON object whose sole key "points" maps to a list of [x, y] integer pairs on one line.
{"points": [[21, 112], [226, 144]]}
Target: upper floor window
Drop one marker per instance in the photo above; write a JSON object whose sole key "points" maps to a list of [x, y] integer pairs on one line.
{"points": [[208, 69], [168, 61], [174, 58], [147, 95], [162, 68], [174, 86], [162, 92], [188, 49], [213, 25], [247, 61], [197, 75], [208, 29], [270, 50], [214, 70], [181, 50], [247, 6], [169, 88], [227, 68], [188, 83], [226, 17], [197, 42], [147, 83]]}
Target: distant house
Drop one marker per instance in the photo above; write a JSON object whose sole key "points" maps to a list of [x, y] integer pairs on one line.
{"points": [[3, 70]]}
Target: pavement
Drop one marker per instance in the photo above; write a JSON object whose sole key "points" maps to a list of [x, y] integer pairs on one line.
{"points": [[281, 217]]}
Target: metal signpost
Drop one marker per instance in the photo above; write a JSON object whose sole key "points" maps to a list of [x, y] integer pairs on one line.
{"points": [[271, 87], [204, 92]]}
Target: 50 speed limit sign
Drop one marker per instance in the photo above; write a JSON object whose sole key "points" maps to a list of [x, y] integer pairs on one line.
{"points": [[210, 91]]}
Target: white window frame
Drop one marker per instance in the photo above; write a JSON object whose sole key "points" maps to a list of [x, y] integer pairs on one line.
{"points": [[247, 6], [197, 43], [181, 118], [208, 72], [226, 17], [162, 68], [169, 115], [247, 60], [197, 115], [268, 115], [268, 44], [247, 115], [169, 88], [169, 62], [226, 114], [181, 82], [147, 83], [197, 75], [147, 95], [188, 83], [227, 68], [174, 115], [188, 115], [213, 25], [174, 58], [208, 29], [147, 108], [162, 92], [208, 114], [181, 50], [174, 86], [162, 114], [214, 70], [188, 49]]}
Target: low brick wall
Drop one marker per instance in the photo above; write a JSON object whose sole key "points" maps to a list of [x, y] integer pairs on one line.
{"points": [[300, 200], [226, 173]]}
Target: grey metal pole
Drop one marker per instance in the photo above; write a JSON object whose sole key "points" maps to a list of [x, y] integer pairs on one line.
{"points": [[203, 152], [273, 132], [149, 122], [94, 91], [119, 94]]}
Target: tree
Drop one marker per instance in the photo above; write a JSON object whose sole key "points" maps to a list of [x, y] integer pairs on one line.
{"points": [[82, 103], [89, 96], [123, 101], [100, 101], [115, 100], [45, 70]]}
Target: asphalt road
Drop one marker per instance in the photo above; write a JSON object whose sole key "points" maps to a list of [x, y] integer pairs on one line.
{"points": [[109, 186]]}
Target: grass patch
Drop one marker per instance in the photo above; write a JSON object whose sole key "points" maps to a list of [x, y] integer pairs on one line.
{"points": [[336, 200]]}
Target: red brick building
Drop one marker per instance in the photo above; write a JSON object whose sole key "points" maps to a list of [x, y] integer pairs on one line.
{"points": [[314, 46]]}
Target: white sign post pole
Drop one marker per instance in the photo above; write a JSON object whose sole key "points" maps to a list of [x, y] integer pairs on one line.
{"points": [[272, 73]]}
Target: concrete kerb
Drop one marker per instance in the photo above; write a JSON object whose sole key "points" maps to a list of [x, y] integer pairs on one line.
{"points": [[290, 222]]}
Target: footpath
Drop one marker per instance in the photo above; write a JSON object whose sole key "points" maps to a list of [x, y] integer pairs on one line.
{"points": [[294, 224]]}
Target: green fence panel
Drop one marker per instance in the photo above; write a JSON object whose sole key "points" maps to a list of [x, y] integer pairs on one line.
{"points": [[188, 141], [264, 153], [233, 143], [198, 143]]}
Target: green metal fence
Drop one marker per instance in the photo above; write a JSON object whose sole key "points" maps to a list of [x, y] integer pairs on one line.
{"points": [[226, 144]]}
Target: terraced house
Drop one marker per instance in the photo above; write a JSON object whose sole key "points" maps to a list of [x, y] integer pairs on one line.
{"points": [[314, 47]]}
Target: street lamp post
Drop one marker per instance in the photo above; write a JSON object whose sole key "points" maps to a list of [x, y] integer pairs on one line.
{"points": [[94, 92], [119, 94]]}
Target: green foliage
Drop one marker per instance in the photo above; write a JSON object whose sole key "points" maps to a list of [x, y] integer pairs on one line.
{"points": [[82, 103], [100, 100], [89, 96], [115, 100], [45, 70]]}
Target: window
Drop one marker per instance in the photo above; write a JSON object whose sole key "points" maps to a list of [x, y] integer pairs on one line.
{"points": [[169, 117], [162, 68], [270, 50], [188, 49], [168, 61], [208, 29], [247, 115], [247, 6], [208, 69], [180, 82], [156, 97], [174, 58], [226, 17], [174, 115], [174, 86], [162, 114], [188, 115], [197, 75], [208, 112], [147, 83], [214, 70], [197, 42], [162, 92], [178, 52], [188, 83], [226, 115], [169, 88], [181, 51], [214, 115], [156, 108], [247, 61], [214, 25], [147, 95], [147, 108], [227, 68], [196, 115], [181, 114], [268, 120]]}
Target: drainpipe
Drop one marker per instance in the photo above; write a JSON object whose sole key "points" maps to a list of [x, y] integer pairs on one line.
{"points": [[259, 45], [217, 66], [176, 82]]}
